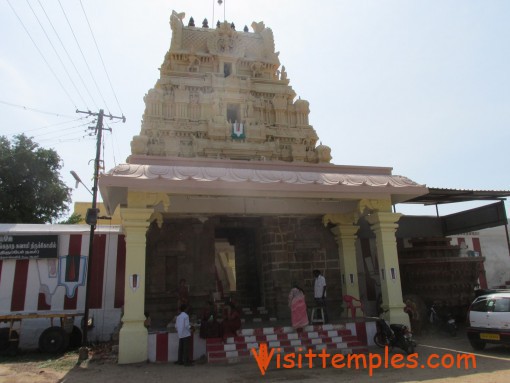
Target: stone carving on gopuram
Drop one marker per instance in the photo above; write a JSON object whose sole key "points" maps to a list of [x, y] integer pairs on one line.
{"points": [[223, 94]]}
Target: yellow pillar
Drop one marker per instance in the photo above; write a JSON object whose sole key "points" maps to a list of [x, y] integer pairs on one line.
{"points": [[345, 234], [384, 225], [133, 334]]}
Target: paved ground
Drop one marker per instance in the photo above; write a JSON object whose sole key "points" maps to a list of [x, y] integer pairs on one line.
{"points": [[492, 365]]}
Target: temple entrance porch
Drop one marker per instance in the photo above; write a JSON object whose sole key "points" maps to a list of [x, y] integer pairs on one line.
{"points": [[293, 218]]}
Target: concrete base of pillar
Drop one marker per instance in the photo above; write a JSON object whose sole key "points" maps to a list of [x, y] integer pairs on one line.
{"points": [[133, 343]]}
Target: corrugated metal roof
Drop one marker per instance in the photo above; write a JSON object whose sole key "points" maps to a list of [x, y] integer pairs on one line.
{"points": [[437, 196]]}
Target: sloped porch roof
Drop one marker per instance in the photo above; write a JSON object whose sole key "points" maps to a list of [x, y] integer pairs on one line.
{"points": [[254, 186]]}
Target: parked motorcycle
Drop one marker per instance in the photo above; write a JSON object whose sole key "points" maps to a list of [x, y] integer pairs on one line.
{"points": [[394, 335], [446, 322]]}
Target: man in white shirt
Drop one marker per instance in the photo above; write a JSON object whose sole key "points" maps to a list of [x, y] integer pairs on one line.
{"points": [[319, 292], [184, 332]]}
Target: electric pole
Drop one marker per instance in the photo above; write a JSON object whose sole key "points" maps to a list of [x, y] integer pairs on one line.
{"points": [[92, 213]]}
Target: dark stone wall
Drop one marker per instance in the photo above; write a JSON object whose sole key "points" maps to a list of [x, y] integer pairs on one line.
{"points": [[291, 248], [182, 248]]}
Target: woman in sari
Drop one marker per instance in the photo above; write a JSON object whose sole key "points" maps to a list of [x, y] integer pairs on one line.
{"points": [[231, 321], [297, 304]]}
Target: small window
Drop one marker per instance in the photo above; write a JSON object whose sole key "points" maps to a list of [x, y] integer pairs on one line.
{"points": [[480, 306], [227, 69], [233, 114], [502, 305]]}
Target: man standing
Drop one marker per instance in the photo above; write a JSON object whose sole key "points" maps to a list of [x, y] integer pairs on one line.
{"points": [[319, 292], [184, 332]]}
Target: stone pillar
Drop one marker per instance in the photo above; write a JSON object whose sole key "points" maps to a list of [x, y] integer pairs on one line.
{"points": [[384, 225], [345, 236], [275, 241], [133, 334]]}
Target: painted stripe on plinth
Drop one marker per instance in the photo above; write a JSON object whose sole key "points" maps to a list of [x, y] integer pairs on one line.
{"points": [[162, 347], [361, 332], [151, 347]]}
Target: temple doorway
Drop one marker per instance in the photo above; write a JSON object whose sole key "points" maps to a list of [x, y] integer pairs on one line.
{"points": [[236, 265]]}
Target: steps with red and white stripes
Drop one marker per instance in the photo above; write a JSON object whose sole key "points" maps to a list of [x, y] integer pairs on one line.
{"points": [[333, 337], [256, 315]]}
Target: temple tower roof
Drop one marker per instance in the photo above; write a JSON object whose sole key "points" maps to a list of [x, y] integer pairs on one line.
{"points": [[222, 93]]}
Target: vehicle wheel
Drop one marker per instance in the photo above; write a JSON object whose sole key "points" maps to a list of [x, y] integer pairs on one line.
{"points": [[381, 340], [75, 338], [4, 340], [8, 347], [54, 340], [453, 331], [477, 344]]}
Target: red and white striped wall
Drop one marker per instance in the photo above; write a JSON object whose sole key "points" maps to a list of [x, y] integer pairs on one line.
{"points": [[163, 346], [46, 285]]}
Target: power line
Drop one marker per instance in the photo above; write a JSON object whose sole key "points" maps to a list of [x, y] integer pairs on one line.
{"points": [[61, 130], [58, 141], [69, 57], [82, 55], [112, 143], [44, 58], [56, 53], [33, 109], [75, 132], [101, 57], [57, 124], [48, 126]]}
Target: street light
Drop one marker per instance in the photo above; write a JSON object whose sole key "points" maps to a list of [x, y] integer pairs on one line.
{"points": [[79, 181]]}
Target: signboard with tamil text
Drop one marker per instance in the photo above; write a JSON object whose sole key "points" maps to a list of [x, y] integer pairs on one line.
{"points": [[28, 246]]}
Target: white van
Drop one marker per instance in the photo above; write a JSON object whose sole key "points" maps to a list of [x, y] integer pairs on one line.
{"points": [[488, 320]]}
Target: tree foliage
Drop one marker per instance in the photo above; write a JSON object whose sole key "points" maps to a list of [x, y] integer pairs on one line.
{"points": [[31, 190], [73, 219]]}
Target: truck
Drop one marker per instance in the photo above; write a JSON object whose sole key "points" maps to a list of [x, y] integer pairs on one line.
{"points": [[43, 275]]}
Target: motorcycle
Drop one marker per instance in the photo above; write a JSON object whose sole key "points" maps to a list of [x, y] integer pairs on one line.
{"points": [[394, 335], [446, 322]]}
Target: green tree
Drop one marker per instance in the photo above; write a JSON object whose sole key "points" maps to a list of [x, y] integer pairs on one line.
{"points": [[73, 219], [31, 190]]}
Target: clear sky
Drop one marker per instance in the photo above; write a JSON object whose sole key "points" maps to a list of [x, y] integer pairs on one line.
{"points": [[419, 86]]}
